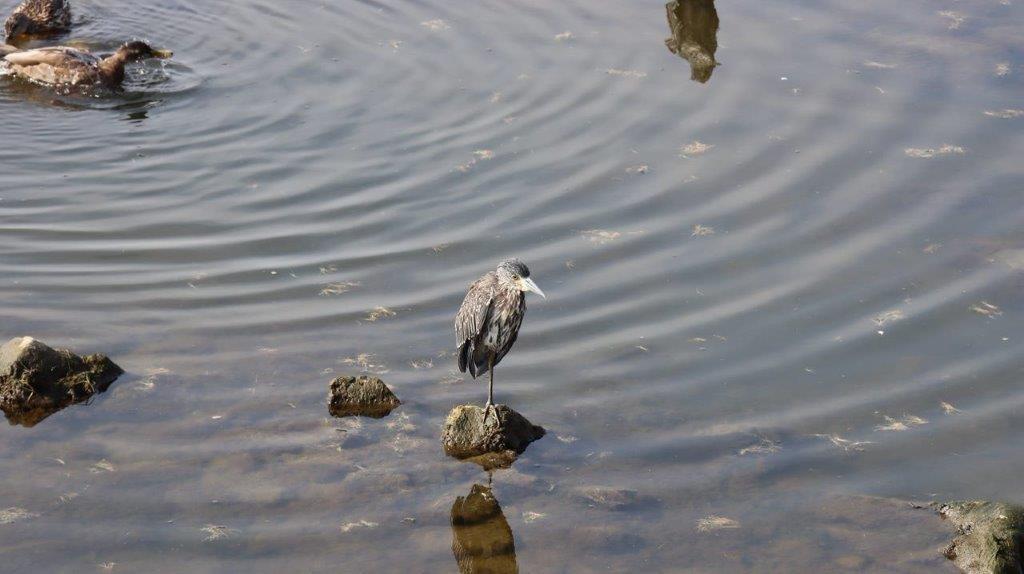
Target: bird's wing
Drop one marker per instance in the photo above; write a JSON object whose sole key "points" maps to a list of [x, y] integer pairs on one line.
{"points": [[512, 312], [56, 56], [474, 314]]}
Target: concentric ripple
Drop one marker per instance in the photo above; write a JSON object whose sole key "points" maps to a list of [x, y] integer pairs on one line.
{"points": [[799, 278]]}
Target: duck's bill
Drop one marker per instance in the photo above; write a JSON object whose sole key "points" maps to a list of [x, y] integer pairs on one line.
{"points": [[529, 285], [162, 53]]}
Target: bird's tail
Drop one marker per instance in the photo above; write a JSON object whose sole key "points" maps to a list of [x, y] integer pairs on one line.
{"points": [[474, 360], [464, 357]]}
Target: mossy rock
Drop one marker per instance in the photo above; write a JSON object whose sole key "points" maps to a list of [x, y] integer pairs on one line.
{"points": [[505, 433], [990, 536], [37, 380], [361, 396]]}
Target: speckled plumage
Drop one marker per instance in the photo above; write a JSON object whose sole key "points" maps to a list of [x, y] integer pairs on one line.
{"points": [[38, 17], [488, 322], [66, 66]]}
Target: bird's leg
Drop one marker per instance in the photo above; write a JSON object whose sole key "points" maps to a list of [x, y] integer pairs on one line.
{"points": [[490, 390]]}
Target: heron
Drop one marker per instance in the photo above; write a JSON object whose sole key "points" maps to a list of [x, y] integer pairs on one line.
{"points": [[488, 321]]}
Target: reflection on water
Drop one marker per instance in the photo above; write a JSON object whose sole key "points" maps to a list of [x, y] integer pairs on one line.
{"points": [[482, 540], [694, 28]]}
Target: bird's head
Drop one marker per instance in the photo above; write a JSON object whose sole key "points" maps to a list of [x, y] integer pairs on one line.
{"points": [[515, 273], [19, 24], [138, 50]]}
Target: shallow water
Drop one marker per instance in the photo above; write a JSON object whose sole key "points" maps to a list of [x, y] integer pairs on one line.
{"points": [[797, 280]]}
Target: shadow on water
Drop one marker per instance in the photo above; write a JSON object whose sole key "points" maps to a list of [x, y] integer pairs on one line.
{"points": [[694, 28], [482, 540]]}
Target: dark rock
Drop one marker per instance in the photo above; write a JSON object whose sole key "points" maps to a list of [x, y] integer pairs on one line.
{"points": [[990, 536], [37, 380], [362, 396], [503, 437]]}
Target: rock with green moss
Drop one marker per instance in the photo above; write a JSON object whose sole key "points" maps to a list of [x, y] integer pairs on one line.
{"points": [[37, 380], [989, 539], [493, 442]]}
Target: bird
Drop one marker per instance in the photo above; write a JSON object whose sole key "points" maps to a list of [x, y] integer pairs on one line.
{"points": [[488, 321], [66, 66], [38, 18]]}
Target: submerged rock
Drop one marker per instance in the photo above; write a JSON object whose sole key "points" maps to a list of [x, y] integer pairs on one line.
{"points": [[990, 536], [493, 444], [37, 380], [610, 498], [362, 396]]}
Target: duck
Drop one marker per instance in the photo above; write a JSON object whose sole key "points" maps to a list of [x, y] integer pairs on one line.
{"points": [[69, 67], [37, 18]]}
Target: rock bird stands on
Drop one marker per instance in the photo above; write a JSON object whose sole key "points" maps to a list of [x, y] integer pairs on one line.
{"points": [[64, 66], [488, 321], [37, 18]]}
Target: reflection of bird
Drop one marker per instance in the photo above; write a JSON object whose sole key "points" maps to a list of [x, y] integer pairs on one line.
{"points": [[64, 66], [482, 540], [38, 17], [488, 321], [694, 28]]}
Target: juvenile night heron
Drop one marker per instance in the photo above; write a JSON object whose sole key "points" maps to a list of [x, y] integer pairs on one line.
{"points": [[488, 322]]}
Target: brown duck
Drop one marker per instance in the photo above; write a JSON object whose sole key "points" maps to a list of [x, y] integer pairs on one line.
{"points": [[67, 67], [38, 18]]}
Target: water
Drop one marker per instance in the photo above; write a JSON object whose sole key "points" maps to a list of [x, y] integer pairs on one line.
{"points": [[749, 280]]}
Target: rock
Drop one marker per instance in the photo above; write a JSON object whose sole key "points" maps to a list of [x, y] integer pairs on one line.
{"points": [[610, 498], [362, 396], [990, 536], [37, 381], [505, 435]]}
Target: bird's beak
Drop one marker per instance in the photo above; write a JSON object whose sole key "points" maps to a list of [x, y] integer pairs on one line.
{"points": [[529, 285], [162, 53]]}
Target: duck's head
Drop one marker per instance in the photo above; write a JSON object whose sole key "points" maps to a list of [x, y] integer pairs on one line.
{"points": [[19, 24], [138, 50]]}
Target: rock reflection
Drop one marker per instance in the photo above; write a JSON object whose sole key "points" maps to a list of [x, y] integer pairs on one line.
{"points": [[694, 28], [482, 540]]}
